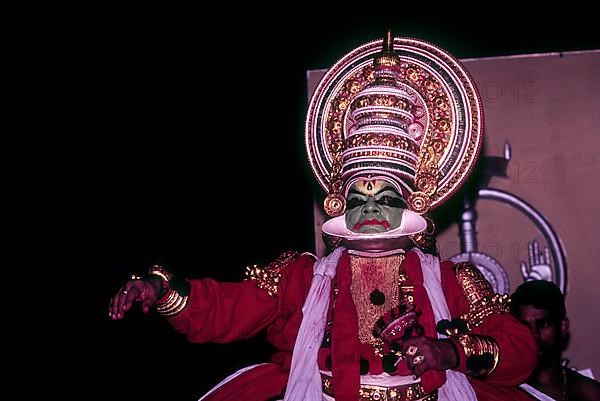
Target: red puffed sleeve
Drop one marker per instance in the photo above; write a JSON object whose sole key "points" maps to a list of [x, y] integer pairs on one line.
{"points": [[492, 330], [223, 312], [517, 353]]}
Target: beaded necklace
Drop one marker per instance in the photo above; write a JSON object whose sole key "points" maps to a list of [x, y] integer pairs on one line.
{"points": [[564, 384]]}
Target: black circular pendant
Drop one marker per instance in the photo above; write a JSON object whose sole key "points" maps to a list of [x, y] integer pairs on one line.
{"points": [[377, 297]]}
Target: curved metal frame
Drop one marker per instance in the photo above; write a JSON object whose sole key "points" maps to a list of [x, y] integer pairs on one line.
{"points": [[556, 248]]}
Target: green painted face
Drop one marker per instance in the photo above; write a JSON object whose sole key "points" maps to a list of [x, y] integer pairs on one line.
{"points": [[373, 206]]}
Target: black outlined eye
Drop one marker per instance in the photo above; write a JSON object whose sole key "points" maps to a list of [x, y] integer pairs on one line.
{"points": [[391, 201], [354, 202]]}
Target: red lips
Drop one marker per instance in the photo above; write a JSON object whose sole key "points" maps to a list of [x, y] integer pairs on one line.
{"points": [[372, 222]]}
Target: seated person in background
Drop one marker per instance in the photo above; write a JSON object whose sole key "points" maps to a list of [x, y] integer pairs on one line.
{"points": [[540, 305]]}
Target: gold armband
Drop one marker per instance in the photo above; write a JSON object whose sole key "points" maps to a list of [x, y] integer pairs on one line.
{"points": [[482, 300], [268, 277], [481, 352]]}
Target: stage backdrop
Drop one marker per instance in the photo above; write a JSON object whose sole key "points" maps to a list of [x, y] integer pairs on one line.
{"points": [[547, 107]]}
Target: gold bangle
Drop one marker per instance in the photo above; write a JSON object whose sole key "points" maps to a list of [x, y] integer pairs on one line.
{"points": [[475, 346], [170, 300], [160, 271], [175, 302], [174, 305]]}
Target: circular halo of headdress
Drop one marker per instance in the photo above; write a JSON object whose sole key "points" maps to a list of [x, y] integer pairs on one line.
{"points": [[403, 110]]}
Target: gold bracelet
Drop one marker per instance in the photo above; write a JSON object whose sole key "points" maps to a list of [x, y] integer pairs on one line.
{"points": [[161, 272], [174, 304], [477, 347]]}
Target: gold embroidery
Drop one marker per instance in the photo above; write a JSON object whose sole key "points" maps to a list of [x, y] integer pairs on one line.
{"points": [[406, 291], [268, 277], [406, 295], [369, 274], [482, 300], [367, 392]]}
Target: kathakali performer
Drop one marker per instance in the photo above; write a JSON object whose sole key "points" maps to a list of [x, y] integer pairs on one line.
{"points": [[393, 130]]}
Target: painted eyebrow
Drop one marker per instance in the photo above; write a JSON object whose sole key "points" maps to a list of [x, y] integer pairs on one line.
{"points": [[354, 191], [387, 188]]}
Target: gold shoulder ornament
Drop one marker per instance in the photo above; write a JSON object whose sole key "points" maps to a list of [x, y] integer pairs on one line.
{"points": [[268, 277], [482, 300]]}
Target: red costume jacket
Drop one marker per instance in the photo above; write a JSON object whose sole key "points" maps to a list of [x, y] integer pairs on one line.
{"points": [[223, 312]]}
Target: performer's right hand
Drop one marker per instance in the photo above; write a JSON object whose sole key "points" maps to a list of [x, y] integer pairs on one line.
{"points": [[146, 290]]}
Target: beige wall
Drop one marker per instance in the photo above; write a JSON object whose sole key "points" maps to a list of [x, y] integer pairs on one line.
{"points": [[548, 108]]}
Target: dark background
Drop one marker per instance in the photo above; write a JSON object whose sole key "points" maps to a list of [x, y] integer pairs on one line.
{"points": [[176, 138]]}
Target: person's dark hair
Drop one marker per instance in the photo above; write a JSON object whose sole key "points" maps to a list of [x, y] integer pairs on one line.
{"points": [[541, 294]]}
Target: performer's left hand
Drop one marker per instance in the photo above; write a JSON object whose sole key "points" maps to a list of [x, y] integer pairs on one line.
{"points": [[424, 353]]}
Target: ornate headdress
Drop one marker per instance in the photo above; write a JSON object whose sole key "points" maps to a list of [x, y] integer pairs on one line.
{"points": [[399, 109]]}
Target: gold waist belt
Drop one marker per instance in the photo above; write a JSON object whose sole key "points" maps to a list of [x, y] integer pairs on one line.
{"points": [[368, 392]]}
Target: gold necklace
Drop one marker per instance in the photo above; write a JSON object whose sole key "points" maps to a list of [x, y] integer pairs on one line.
{"points": [[380, 274], [564, 383]]}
